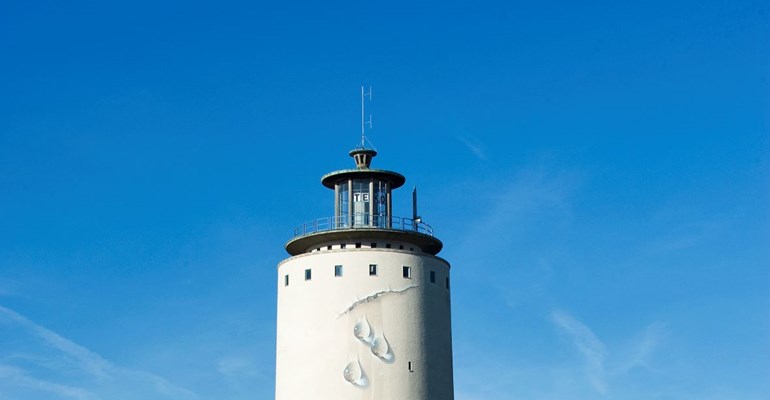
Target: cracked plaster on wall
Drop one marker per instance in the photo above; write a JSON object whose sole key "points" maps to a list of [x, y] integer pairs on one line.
{"points": [[375, 296]]}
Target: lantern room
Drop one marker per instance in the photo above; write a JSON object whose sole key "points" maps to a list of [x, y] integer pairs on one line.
{"points": [[362, 196]]}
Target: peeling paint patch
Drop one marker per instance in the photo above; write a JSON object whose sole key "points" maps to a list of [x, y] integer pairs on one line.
{"points": [[374, 296]]}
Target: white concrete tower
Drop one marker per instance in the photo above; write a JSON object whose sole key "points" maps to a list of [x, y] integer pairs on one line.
{"points": [[363, 301]]}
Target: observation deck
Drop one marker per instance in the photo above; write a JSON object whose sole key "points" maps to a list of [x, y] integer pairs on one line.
{"points": [[362, 211], [330, 229]]}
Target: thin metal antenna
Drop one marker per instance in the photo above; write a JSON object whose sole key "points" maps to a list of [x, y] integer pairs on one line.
{"points": [[364, 122]]}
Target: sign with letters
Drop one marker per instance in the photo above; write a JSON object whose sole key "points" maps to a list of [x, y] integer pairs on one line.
{"points": [[361, 197]]}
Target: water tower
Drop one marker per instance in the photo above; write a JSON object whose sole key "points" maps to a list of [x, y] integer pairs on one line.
{"points": [[363, 301]]}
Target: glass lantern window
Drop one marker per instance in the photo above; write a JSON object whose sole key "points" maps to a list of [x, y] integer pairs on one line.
{"points": [[369, 203], [342, 203], [361, 199], [380, 199]]}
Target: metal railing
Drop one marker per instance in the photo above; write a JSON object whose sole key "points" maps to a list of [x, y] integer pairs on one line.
{"points": [[363, 221]]}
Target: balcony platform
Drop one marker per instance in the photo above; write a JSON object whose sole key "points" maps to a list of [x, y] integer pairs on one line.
{"points": [[344, 230]]}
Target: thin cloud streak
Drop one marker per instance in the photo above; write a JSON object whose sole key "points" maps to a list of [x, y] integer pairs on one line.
{"points": [[19, 377], [593, 350], [89, 361], [86, 360], [474, 148], [531, 193], [235, 367], [649, 342]]}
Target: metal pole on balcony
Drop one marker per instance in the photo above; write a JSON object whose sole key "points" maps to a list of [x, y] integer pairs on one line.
{"points": [[350, 202], [388, 207], [414, 209], [336, 199], [371, 201]]}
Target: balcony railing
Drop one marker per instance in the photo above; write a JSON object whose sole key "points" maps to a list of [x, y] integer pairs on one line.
{"points": [[363, 221]]}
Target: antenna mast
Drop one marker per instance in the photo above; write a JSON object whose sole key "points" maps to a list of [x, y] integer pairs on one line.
{"points": [[364, 122]]}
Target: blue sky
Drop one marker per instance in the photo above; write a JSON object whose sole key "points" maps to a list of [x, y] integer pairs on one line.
{"points": [[598, 172]]}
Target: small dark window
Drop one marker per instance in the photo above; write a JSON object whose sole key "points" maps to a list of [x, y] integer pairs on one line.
{"points": [[342, 246], [409, 366], [358, 245], [286, 280], [374, 245], [447, 282], [411, 249], [387, 245], [329, 247], [308, 274], [372, 269], [401, 247], [432, 276], [318, 249], [338, 270], [407, 272]]}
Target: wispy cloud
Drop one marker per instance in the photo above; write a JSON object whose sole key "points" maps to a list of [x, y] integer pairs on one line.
{"points": [[21, 378], [601, 372], [78, 357], [474, 147], [644, 347], [161, 385], [685, 225], [89, 361], [522, 202], [236, 367], [593, 350]]}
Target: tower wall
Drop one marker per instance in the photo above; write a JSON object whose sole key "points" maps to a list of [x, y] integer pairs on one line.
{"points": [[317, 318]]}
